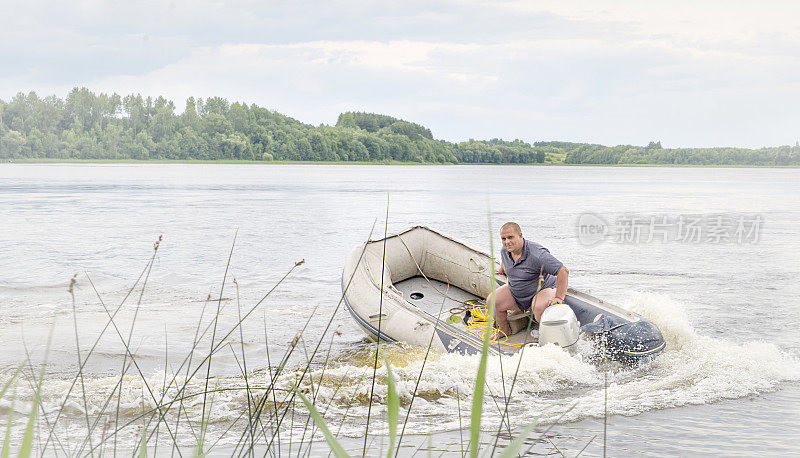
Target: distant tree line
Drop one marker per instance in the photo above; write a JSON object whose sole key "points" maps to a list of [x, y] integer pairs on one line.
{"points": [[653, 153], [86, 125]]}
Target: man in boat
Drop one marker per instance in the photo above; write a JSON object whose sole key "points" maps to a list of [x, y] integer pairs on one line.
{"points": [[523, 261]]}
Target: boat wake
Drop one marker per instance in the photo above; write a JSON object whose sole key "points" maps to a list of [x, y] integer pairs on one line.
{"points": [[552, 386], [546, 384]]}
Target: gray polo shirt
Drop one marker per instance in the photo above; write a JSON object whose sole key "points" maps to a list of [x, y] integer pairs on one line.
{"points": [[523, 275]]}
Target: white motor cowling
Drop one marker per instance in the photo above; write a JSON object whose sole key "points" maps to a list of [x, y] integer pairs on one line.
{"points": [[559, 326]]}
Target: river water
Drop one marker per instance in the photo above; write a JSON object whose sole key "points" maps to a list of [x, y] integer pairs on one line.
{"points": [[710, 255]]}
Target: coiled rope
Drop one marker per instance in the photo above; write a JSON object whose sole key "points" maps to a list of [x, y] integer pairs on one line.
{"points": [[476, 319]]}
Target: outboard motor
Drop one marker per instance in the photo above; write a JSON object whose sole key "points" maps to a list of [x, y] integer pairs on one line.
{"points": [[559, 326], [626, 341]]}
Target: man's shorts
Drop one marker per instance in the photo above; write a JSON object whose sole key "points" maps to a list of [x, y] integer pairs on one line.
{"points": [[526, 305]]}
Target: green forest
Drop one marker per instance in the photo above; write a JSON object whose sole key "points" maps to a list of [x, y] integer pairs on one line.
{"points": [[92, 126]]}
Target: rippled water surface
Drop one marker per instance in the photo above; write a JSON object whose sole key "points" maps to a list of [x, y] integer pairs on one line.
{"points": [[728, 382]]}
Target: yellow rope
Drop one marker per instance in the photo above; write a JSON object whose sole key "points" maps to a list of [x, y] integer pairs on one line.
{"points": [[480, 319], [478, 322]]}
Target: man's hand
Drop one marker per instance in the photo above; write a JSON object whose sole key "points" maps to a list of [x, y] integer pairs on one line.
{"points": [[562, 282]]}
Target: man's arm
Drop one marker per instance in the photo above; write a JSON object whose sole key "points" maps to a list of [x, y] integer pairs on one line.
{"points": [[562, 282], [501, 270]]}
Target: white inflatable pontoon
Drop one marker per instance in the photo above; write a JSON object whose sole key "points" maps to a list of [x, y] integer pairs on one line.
{"points": [[427, 279]]}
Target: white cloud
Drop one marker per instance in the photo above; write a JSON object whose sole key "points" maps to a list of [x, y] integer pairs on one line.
{"points": [[687, 73], [710, 22]]}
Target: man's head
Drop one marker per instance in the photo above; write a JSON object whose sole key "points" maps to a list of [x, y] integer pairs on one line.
{"points": [[511, 235]]}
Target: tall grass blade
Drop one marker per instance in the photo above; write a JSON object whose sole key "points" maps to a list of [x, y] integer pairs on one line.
{"points": [[506, 415], [78, 354], [324, 331], [143, 440], [460, 426], [346, 411], [605, 392], [315, 391], [512, 450], [86, 359], [163, 388], [380, 321], [199, 452], [188, 368], [544, 433], [27, 439], [251, 426], [392, 407], [7, 438], [127, 343], [288, 400], [334, 444], [216, 320], [430, 446], [221, 344], [129, 355], [89, 354], [480, 379], [11, 380], [266, 395], [319, 385], [586, 446], [477, 397]]}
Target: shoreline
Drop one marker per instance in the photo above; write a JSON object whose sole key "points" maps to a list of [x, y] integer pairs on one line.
{"points": [[396, 163]]}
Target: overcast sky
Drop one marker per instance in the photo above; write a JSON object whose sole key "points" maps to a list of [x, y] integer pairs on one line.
{"points": [[688, 73]]}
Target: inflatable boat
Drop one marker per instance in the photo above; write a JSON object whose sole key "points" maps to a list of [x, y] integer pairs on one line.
{"points": [[424, 288]]}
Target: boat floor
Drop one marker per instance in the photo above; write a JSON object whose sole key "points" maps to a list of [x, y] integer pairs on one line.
{"points": [[429, 296]]}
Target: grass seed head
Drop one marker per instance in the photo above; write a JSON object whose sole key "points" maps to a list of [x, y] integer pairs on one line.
{"points": [[296, 339], [72, 283]]}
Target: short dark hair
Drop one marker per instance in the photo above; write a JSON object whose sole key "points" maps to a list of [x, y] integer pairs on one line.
{"points": [[511, 225]]}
